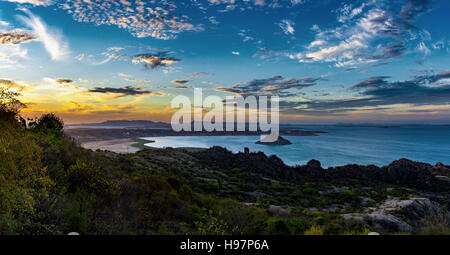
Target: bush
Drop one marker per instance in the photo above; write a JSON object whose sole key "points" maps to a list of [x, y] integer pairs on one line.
{"points": [[314, 231], [23, 179], [435, 224], [48, 122]]}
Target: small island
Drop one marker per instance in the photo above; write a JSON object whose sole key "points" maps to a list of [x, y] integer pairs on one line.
{"points": [[280, 141]]}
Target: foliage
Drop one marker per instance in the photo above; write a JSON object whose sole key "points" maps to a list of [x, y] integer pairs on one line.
{"points": [[314, 231], [10, 106], [48, 122], [24, 182], [435, 224]]}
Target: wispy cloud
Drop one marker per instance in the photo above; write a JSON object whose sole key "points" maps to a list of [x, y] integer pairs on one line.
{"points": [[366, 33], [154, 61], [32, 2], [287, 26], [52, 41]]}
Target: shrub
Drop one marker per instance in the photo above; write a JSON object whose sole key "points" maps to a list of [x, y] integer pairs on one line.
{"points": [[309, 191], [24, 181], [435, 224], [314, 231], [48, 122]]}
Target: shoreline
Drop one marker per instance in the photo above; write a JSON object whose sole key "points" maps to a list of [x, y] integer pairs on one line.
{"points": [[122, 146], [97, 134]]}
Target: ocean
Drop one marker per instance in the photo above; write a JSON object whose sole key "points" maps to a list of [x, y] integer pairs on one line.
{"points": [[341, 145]]}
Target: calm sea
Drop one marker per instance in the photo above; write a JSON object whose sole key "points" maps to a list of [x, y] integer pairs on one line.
{"points": [[341, 145]]}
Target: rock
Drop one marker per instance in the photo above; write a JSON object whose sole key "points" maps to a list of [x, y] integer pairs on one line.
{"points": [[278, 210], [413, 209], [393, 215], [314, 164], [440, 170], [439, 165], [381, 222], [409, 173], [402, 172], [256, 162], [278, 142]]}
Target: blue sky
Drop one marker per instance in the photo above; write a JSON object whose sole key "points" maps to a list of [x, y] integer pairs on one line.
{"points": [[329, 61]]}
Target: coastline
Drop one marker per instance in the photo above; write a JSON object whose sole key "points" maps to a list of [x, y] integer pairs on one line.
{"points": [[115, 145], [128, 140]]}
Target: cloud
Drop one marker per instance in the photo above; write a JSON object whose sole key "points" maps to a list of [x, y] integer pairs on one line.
{"points": [[16, 37], [349, 69], [80, 57], [377, 91], [125, 91], [433, 78], [180, 82], [232, 2], [213, 20], [190, 78], [287, 26], [64, 81], [423, 48], [274, 86], [158, 19], [372, 31], [11, 85], [11, 55], [154, 61], [33, 2], [112, 53], [183, 87], [52, 41]]}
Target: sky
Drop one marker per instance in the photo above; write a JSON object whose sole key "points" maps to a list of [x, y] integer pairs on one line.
{"points": [[329, 61]]}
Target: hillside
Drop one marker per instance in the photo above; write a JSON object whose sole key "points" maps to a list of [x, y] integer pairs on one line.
{"points": [[175, 191]]}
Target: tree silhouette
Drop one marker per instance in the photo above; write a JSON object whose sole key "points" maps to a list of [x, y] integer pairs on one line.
{"points": [[10, 106]]}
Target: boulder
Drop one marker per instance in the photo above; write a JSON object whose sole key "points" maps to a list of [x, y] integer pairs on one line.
{"points": [[397, 215], [409, 173], [278, 142], [314, 165]]}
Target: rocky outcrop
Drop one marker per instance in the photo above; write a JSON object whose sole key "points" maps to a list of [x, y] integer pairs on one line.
{"points": [[440, 170], [280, 141], [257, 162], [410, 173], [402, 172], [381, 222], [397, 215]]}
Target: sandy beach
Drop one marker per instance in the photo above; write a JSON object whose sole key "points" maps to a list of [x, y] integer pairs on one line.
{"points": [[116, 145]]}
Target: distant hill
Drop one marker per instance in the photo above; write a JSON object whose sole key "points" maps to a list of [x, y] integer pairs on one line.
{"points": [[123, 124]]}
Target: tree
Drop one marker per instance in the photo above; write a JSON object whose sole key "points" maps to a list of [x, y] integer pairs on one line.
{"points": [[10, 106], [23, 179], [48, 121]]}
